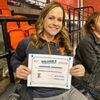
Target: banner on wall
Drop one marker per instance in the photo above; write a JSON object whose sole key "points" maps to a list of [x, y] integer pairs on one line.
{"points": [[29, 3]]}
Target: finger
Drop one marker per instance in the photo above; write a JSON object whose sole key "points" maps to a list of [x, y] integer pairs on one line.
{"points": [[79, 66], [21, 75], [27, 69], [80, 73], [77, 71], [77, 74], [25, 72]]}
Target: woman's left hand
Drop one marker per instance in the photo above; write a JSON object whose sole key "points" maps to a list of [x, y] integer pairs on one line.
{"points": [[77, 70]]}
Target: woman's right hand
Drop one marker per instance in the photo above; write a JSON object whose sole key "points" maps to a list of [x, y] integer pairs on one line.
{"points": [[22, 72]]}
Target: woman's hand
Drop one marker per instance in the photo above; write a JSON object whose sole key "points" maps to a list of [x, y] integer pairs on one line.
{"points": [[77, 70], [22, 72]]}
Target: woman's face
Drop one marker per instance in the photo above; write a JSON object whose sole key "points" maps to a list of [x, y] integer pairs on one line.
{"points": [[96, 27], [53, 22]]}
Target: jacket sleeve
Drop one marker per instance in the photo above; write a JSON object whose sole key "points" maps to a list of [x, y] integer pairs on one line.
{"points": [[19, 55], [85, 54]]}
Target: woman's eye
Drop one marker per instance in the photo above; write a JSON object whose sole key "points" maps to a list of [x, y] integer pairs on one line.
{"points": [[51, 18], [60, 20]]}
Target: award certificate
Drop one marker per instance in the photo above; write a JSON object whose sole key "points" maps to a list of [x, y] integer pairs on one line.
{"points": [[49, 71]]}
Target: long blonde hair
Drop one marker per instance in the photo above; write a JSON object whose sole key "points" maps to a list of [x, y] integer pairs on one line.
{"points": [[91, 21], [63, 35]]}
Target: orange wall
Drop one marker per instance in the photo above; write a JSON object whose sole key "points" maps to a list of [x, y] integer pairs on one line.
{"points": [[68, 3], [94, 3], [74, 3]]}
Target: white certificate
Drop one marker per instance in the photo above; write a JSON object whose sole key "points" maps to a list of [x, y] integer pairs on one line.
{"points": [[49, 71]]}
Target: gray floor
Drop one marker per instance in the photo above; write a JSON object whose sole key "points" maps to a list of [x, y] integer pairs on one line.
{"points": [[7, 92]]}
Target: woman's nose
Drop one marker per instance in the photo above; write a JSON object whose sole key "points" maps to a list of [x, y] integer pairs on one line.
{"points": [[55, 22]]}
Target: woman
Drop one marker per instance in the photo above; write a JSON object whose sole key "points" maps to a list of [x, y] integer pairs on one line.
{"points": [[88, 54], [51, 38]]}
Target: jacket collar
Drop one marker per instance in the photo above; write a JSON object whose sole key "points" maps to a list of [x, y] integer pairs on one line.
{"points": [[53, 41]]}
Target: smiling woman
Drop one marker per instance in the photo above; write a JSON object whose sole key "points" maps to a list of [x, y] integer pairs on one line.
{"points": [[51, 38], [52, 23]]}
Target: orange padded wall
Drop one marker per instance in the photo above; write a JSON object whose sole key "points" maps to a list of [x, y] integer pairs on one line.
{"points": [[3, 4], [94, 3]]}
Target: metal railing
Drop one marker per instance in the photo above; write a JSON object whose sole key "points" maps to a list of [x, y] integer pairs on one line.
{"points": [[76, 21]]}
